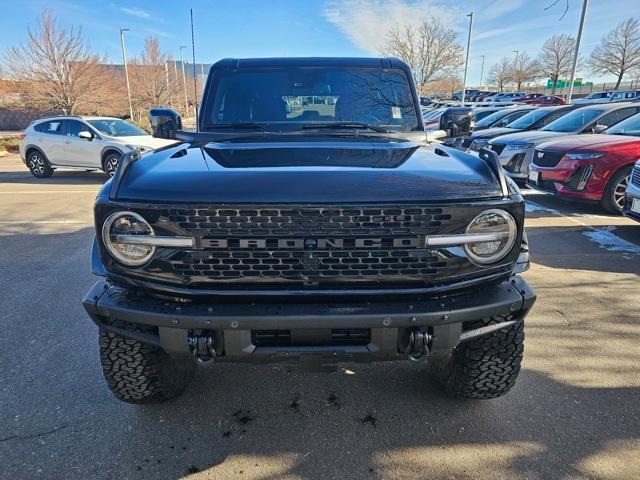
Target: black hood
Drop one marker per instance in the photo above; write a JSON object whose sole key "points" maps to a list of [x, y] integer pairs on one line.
{"points": [[359, 170]]}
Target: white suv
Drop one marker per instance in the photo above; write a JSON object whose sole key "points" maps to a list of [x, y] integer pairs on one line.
{"points": [[81, 142], [595, 97]]}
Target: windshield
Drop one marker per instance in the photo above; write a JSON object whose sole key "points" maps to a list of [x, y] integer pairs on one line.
{"points": [[530, 118], [479, 115], [114, 127], [297, 96], [630, 127], [493, 118], [574, 121]]}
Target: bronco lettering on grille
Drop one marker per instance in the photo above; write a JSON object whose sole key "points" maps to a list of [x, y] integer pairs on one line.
{"points": [[309, 243]]}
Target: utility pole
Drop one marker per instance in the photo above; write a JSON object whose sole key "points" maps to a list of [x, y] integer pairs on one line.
{"points": [[466, 62], [577, 51], [515, 64], [184, 82], [481, 71], [126, 71]]}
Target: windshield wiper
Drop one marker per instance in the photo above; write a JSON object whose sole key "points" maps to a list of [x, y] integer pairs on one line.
{"points": [[341, 125]]}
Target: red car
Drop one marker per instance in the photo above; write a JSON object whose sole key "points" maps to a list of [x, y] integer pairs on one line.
{"points": [[592, 167], [543, 100]]}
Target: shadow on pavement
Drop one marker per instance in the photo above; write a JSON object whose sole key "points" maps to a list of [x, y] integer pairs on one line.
{"points": [[59, 178]]}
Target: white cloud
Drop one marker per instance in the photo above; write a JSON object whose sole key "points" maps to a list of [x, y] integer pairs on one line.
{"points": [[136, 12], [499, 8], [366, 22]]}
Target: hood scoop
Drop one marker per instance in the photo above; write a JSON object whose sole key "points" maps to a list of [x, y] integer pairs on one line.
{"points": [[309, 154]]}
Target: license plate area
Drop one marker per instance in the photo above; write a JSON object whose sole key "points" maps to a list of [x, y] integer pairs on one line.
{"points": [[635, 205], [534, 176]]}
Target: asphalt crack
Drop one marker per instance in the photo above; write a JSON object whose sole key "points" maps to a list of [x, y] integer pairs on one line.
{"points": [[34, 435]]}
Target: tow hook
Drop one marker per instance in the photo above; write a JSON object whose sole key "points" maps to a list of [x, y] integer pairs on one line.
{"points": [[202, 347], [418, 344]]}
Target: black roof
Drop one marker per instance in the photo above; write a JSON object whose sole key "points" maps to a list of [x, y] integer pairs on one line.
{"points": [[371, 62]]}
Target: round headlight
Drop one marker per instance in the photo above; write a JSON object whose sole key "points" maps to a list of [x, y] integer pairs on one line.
{"points": [[503, 227], [127, 223]]}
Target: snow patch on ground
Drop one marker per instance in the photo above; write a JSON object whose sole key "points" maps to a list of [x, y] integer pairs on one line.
{"points": [[606, 239], [533, 208]]}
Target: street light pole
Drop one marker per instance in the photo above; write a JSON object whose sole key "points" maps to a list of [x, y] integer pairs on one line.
{"points": [[515, 64], [126, 71], [481, 71], [577, 50], [184, 82], [466, 62]]}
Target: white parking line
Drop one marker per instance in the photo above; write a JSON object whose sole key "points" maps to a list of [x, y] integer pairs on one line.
{"points": [[50, 191], [43, 222]]}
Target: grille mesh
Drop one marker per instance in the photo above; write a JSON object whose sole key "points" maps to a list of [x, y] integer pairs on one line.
{"points": [[635, 176], [547, 159], [497, 147], [237, 222], [308, 264]]}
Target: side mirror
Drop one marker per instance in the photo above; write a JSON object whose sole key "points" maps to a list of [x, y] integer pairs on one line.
{"points": [[164, 122], [600, 128], [456, 121], [87, 135]]}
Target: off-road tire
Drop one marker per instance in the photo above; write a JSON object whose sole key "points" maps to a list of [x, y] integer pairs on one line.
{"points": [[608, 201], [140, 373], [38, 164], [483, 368]]}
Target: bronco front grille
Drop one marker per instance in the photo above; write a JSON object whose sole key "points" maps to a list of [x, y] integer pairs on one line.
{"points": [[309, 246], [268, 262]]}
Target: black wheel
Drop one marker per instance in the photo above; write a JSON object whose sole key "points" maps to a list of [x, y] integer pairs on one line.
{"points": [[110, 163], [140, 373], [39, 165], [613, 196], [484, 368]]}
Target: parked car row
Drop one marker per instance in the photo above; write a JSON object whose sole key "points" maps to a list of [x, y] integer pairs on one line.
{"points": [[583, 152]]}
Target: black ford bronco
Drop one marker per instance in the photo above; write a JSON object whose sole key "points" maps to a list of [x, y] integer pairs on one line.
{"points": [[308, 221]]}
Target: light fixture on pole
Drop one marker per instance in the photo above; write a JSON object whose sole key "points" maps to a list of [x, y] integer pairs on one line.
{"points": [[126, 71], [466, 62], [577, 50], [481, 72], [184, 82]]}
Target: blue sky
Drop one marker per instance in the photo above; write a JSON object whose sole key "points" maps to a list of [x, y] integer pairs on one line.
{"points": [[245, 28]]}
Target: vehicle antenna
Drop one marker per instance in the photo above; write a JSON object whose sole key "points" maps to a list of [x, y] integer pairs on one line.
{"points": [[195, 78]]}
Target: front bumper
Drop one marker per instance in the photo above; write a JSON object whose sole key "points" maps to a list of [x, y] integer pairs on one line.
{"points": [[633, 192], [168, 324], [564, 180]]}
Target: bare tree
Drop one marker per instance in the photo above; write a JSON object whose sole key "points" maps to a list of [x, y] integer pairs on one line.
{"points": [[58, 67], [555, 57], [525, 69], [431, 50], [149, 76], [448, 86], [501, 73], [618, 51]]}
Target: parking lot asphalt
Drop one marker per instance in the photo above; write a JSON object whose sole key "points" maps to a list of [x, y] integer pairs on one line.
{"points": [[574, 412]]}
